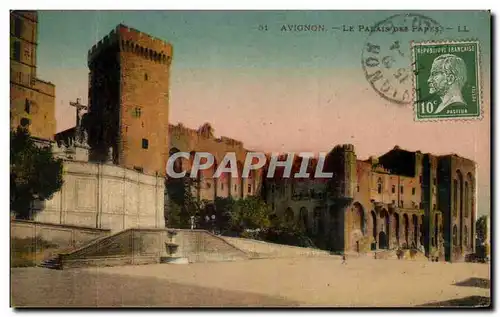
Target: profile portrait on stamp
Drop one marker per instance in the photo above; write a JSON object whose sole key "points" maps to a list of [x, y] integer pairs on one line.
{"points": [[448, 77], [447, 80]]}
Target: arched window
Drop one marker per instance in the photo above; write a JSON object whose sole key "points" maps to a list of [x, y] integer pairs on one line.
{"points": [[317, 221], [466, 199], [379, 185], [304, 218], [455, 235], [289, 215], [455, 197], [374, 224], [466, 237]]}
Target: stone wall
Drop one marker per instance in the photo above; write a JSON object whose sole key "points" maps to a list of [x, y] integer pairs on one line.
{"points": [[265, 249], [105, 196], [63, 236]]}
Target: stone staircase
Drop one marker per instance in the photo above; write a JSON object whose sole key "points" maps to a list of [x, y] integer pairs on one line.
{"points": [[138, 246], [53, 260], [51, 263]]}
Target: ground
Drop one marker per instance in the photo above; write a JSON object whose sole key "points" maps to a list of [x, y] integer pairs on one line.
{"points": [[314, 281]]}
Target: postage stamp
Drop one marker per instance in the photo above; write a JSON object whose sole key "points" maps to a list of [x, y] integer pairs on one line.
{"points": [[446, 79]]}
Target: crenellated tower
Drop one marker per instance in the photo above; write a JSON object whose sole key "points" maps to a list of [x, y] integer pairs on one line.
{"points": [[341, 161], [129, 100]]}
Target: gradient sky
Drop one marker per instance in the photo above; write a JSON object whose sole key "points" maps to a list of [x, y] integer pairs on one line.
{"points": [[274, 90]]}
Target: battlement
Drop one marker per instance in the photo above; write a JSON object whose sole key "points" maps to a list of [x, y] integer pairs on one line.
{"points": [[45, 87], [132, 40], [182, 129], [194, 133], [348, 147], [229, 141]]}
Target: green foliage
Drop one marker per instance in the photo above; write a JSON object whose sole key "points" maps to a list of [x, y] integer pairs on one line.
{"points": [[250, 213], [224, 207], [181, 203], [34, 173], [288, 233], [481, 228]]}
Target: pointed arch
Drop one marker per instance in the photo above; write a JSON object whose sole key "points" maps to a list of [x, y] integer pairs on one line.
{"points": [[396, 225], [374, 224], [358, 218], [304, 218], [406, 228], [289, 215]]}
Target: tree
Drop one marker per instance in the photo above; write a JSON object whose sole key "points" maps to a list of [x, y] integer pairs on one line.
{"points": [[34, 173], [481, 228], [250, 213], [181, 204], [224, 207]]}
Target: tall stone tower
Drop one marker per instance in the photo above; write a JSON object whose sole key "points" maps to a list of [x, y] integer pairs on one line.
{"points": [[342, 162], [129, 98], [32, 100]]}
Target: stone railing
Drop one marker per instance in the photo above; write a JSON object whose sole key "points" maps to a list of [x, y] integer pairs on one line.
{"points": [[142, 246], [64, 236], [266, 249]]}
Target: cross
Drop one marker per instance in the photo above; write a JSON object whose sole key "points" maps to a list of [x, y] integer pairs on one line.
{"points": [[79, 107]]}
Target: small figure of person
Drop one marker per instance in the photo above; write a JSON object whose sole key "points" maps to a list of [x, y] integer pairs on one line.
{"points": [[344, 258]]}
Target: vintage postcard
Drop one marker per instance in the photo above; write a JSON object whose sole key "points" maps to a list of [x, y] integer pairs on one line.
{"points": [[250, 158]]}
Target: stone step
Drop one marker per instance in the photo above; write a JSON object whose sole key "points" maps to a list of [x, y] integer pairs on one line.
{"points": [[52, 263], [174, 260]]}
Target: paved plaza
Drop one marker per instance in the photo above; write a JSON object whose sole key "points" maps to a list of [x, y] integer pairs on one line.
{"points": [[315, 281]]}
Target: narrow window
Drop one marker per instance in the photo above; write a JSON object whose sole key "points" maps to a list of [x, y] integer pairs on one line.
{"points": [[402, 189], [249, 188], [393, 189], [17, 51], [137, 112], [146, 77], [27, 106], [18, 27], [145, 143], [413, 191]]}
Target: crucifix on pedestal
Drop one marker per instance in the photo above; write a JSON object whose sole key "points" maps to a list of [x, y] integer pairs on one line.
{"points": [[79, 111], [81, 133]]}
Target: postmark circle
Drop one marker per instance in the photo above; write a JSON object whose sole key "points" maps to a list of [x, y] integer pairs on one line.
{"points": [[386, 56]]}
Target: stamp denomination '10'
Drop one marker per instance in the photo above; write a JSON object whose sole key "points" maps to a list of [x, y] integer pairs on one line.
{"points": [[447, 80]]}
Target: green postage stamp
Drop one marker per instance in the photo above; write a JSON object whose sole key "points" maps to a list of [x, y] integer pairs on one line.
{"points": [[446, 80]]}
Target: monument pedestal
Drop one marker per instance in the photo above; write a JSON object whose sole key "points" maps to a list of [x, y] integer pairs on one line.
{"points": [[170, 256]]}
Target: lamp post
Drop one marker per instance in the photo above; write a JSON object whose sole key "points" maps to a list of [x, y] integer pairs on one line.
{"points": [[213, 223], [207, 221]]}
